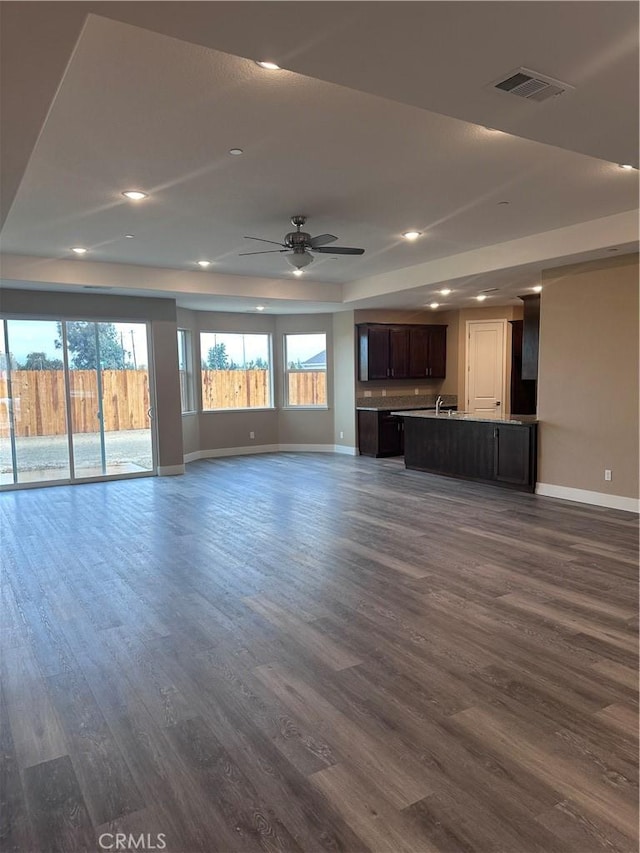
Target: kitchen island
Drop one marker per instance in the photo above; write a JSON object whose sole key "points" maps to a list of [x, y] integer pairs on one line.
{"points": [[498, 450]]}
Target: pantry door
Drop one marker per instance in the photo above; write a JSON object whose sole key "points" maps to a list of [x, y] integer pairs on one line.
{"points": [[486, 367]]}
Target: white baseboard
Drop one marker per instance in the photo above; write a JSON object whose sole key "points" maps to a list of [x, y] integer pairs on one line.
{"points": [[268, 448], [316, 448], [170, 470], [344, 448], [584, 496]]}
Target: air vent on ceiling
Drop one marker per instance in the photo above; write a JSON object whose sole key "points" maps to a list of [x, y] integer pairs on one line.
{"points": [[530, 85]]}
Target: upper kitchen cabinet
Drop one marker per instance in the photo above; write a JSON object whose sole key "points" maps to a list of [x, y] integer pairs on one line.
{"points": [[427, 352], [401, 351], [530, 336]]}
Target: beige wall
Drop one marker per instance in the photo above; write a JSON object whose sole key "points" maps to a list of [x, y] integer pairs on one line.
{"points": [[588, 377], [344, 366]]}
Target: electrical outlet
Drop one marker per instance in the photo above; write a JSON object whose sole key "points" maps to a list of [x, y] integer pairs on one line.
{"points": [[252, 435], [341, 434], [384, 392], [607, 474], [416, 391], [367, 393]]}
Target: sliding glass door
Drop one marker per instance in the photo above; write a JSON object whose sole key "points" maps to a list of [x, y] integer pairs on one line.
{"points": [[35, 401], [75, 401]]}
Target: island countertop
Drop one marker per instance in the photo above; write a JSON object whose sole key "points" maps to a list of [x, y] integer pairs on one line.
{"points": [[522, 420]]}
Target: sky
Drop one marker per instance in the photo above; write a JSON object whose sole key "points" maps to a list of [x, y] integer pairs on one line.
{"points": [[27, 336], [299, 347]]}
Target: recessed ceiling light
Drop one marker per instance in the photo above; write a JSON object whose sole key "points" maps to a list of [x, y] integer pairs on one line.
{"points": [[434, 305], [236, 152], [445, 291], [298, 272], [411, 235], [129, 236], [537, 288], [259, 307], [79, 250], [135, 195], [481, 297], [204, 264], [626, 166], [269, 66]]}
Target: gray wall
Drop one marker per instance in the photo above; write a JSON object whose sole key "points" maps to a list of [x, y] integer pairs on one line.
{"points": [[222, 430]]}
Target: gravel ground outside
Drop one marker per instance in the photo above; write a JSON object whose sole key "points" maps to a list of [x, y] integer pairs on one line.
{"points": [[49, 454]]}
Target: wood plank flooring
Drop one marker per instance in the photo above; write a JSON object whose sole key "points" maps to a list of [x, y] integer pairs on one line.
{"points": [[316, 653]]}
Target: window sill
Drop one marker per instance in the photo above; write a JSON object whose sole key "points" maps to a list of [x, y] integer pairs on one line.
{"points": [[244, 409], [305, 408], [190, 412]]}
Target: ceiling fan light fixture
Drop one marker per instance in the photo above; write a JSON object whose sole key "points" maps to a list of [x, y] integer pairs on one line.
{"points": [[298, 272], [299, 260], [268, 66]]}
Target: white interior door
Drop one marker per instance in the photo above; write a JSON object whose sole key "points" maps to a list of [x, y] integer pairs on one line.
{"points": [[486, 366]]}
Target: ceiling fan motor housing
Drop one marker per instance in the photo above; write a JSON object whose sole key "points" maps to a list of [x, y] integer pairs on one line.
{"points": [[297, 239]]}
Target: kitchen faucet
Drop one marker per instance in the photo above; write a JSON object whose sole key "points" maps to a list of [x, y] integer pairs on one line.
{"points": [[439, 402]]}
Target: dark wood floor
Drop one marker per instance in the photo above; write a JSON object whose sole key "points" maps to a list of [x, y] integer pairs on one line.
{"points": [[309, 652]]}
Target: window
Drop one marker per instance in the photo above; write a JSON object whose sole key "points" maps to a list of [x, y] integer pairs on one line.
{"points": [[236, 370], [305, 359], [185, 366]]}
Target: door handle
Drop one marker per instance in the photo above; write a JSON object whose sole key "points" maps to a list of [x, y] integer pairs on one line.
{"points": [[498, 403]]}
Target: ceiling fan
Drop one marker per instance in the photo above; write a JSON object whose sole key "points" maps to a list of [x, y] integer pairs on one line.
{"points": [[299, 245]]}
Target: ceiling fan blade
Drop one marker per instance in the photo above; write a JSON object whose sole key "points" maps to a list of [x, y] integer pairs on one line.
{"points": [[322, 240], [262, 240], [339, 250], [264, 252]]}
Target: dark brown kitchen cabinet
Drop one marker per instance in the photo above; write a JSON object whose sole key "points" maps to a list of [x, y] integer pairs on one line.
{"points": [[401, 351], [513, 460], [380, 434], [427, 352], [499, 453], [530, 336]]}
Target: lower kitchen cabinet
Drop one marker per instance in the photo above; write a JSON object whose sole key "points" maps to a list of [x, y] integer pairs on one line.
{"points": [[380, 434], [513, 449], [500, 453]]}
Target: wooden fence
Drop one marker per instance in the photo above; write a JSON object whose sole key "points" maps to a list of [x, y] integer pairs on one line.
{"points": [[39, 401], [307, 388], [39, 397]]}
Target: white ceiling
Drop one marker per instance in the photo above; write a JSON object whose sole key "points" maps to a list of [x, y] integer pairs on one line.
{"points": [[138, 108]]}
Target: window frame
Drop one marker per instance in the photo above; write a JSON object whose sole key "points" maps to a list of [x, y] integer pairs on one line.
{"points": [[270, 386], [287, 371], [185, 352]]}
